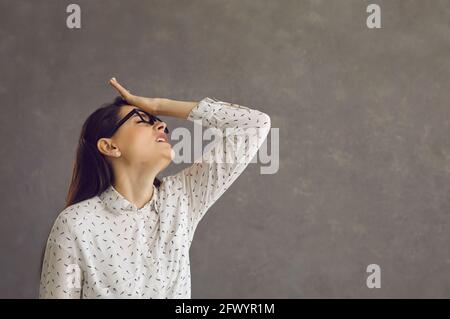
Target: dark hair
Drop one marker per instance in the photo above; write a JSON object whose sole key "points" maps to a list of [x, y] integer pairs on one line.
{"points": [[92, 173]]}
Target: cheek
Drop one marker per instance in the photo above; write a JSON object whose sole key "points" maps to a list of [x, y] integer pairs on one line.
{"points": [[140, 142]]}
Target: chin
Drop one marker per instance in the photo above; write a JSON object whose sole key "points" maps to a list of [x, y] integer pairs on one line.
{"points": [[169, 155]]}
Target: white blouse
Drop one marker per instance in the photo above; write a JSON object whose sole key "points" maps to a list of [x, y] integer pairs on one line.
{"points": [[105, 247]]}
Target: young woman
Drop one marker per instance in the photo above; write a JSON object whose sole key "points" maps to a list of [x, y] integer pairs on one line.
{"points": [[124, 233]]}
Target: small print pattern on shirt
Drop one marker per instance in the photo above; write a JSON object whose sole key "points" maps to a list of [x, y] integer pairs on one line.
{"points": [[105, 247]]}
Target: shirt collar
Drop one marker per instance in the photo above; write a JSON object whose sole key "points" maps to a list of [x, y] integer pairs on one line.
{"points": [[118, 204]]}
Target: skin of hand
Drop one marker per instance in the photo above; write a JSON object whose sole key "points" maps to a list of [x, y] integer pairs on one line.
{"points": [[147, 104], [155, 106]]}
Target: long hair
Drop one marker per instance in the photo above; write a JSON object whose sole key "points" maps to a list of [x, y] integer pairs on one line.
{"points": [[92, 173]]}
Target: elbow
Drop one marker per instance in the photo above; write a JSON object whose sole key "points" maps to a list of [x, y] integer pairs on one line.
{"points": [[264, 125], [265, 122]]}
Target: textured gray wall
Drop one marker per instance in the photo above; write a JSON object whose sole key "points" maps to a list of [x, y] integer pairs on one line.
{"points": [[364, 135]]}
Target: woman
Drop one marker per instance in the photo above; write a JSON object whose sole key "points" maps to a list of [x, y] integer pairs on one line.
{"points": [[124, 233]]}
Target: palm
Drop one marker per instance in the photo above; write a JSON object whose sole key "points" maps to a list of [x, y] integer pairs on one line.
{"points": [[145, 103]]}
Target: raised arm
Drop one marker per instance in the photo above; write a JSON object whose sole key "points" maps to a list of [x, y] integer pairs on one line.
{"points": [[241, 131]]}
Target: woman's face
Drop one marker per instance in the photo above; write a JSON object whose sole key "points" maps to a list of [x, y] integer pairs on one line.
{"points": [[137, 140]]}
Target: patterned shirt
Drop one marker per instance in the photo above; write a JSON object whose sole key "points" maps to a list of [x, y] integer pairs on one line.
{"points": [[105, 247]]}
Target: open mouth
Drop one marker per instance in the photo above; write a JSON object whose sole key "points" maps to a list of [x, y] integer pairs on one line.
{"points": [[161, 140]]}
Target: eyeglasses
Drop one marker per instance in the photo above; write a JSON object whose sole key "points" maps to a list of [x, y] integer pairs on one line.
{"points": [[145, 117]]}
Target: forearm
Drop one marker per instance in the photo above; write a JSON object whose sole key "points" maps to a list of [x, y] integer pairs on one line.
{"points": [[180, 109]]}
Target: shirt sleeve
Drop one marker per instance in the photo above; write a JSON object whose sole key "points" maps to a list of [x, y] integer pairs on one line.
{"points": [[61, 276], [239, 133]]}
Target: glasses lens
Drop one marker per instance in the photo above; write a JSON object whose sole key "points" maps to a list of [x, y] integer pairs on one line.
{"points": [[143, 116], [152, 119]]}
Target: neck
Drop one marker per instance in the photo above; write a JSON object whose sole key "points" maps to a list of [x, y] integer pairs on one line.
{"points": [[136, 186]]}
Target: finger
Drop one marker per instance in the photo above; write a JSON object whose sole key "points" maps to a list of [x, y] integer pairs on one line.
{"points": [[124, 92], [118, 86]]}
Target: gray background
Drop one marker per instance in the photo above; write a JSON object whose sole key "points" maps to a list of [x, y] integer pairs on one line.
{"points": [[364, 135]]}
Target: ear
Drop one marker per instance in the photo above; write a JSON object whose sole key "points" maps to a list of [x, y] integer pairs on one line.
{"points": [[107, 147]]}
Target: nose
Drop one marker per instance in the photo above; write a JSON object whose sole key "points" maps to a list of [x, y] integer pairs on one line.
{"points": [[161, 126]]}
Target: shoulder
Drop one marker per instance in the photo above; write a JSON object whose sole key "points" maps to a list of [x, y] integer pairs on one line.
{"points": [[171, 183], [69, 216]]}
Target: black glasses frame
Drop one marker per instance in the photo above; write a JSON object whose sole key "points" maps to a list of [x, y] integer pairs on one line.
{"points": [[151, 121]]}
